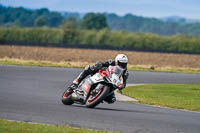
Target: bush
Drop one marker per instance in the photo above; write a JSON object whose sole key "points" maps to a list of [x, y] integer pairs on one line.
{"points": [[38, 35], [102, 39]]}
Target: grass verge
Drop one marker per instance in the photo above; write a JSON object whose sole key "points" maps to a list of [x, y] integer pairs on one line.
{"points": [[70, 64], [180, 96], [20, 62], [23, 127]]}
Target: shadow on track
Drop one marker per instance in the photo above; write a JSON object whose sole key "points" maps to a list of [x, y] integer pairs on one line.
{"points": [[125, 110], [122, 110]]}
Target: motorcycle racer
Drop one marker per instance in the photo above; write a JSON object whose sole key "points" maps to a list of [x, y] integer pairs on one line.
{"points": [[120, 60]]}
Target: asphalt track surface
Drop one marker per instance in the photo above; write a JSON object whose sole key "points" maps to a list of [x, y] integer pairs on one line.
{"points": [[32, 94]]}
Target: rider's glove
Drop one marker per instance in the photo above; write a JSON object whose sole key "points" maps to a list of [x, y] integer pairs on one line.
{"points": [[73, 86], [120, 88], [113, 100]]}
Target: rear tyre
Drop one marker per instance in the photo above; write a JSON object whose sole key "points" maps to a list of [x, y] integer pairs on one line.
{"points": [[67, 98], [94, 100]]}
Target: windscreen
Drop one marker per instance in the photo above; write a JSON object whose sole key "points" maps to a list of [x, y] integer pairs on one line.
{"points": [[118, 70]]}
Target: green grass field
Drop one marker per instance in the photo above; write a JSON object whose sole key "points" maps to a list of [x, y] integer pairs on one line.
{"points": [[22, 127], [180, 96]]}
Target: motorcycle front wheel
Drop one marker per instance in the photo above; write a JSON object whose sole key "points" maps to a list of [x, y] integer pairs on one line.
{"points": [[67, 98], [97, 96]]}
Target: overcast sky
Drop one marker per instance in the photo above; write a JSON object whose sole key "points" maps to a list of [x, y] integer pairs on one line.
{"points": [[149, 8]]}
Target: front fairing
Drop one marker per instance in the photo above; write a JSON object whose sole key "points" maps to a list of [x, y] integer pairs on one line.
{"points": [[112, 75], [96, 78], [115, 76], [115, 80]]}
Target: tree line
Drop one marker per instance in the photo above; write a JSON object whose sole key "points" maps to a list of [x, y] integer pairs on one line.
{"points": [[22, 17], [28, 18], [12, 17], [134, 23]]}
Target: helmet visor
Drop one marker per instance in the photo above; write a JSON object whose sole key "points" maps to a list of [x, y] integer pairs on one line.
{"points": [[123, 65]]}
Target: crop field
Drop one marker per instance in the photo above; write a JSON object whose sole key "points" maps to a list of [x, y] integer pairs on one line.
{"points": [[146, 59]]}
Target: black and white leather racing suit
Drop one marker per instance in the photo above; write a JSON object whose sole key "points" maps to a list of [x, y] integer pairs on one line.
{"points": [[91, 70]]}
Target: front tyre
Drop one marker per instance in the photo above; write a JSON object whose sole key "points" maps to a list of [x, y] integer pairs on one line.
{"points": [[67, 98], [96, 97]]}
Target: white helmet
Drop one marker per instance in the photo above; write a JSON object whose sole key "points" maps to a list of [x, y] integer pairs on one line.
{"points": [[121, 60]]}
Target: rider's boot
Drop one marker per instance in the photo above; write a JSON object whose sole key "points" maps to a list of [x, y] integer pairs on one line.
{"points": [[72, 87], [80, 94], [78, 80], [110, 99]]}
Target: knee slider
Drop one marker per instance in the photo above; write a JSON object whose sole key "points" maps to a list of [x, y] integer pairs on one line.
{"points": [[87, 67]]}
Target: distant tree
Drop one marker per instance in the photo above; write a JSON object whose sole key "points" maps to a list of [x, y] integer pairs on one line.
{"points": [[54, 19], [94, 21], [70, 23], [42, 11], [70, 27], [40, 21]]}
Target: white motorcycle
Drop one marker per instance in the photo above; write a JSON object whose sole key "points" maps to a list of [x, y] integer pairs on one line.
{"points": [[94, 89]]}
